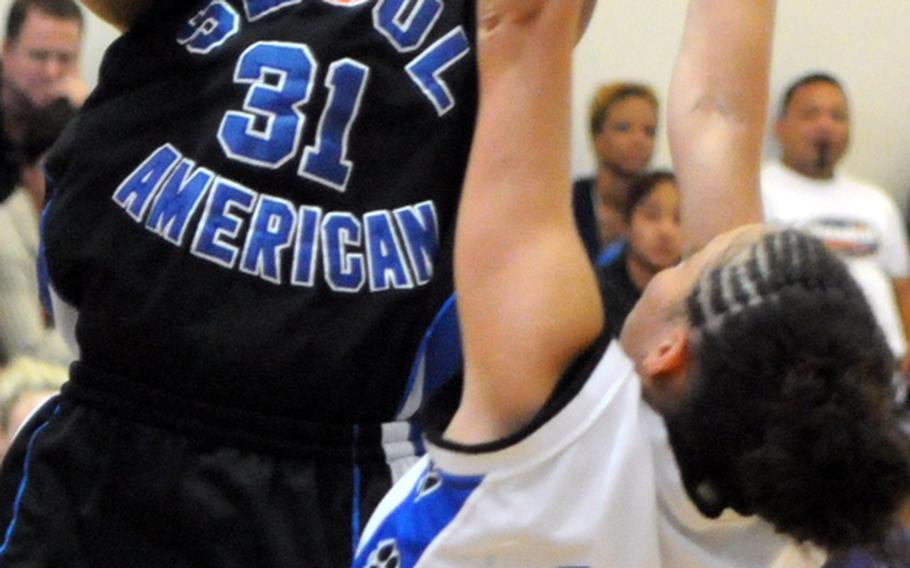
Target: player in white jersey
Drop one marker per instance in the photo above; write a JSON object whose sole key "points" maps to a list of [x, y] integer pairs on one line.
{"points": [[759, 351]]}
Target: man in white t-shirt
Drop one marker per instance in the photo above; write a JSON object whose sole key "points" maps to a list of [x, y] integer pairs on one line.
{"points": [[858, 220]]}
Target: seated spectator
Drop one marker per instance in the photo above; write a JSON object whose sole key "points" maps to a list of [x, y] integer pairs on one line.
{"points": [[807, 189], [654, 242], [40, 67], [24, 385], [24, 327], [623, 123]]}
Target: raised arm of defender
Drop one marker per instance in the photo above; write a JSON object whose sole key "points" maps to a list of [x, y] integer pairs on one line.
{"points": [[716, 114], [528, 299]]}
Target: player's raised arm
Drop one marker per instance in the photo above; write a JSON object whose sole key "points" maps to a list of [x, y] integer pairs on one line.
{"points": [[119, 13], [717, 110], [528, 299]]}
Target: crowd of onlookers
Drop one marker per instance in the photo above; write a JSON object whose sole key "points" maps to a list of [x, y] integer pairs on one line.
{"points": [[40, 91], [628, 216]]}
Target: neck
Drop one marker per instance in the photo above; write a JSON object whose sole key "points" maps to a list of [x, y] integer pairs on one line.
{"points": [[611, 191], [612, 186], [812, 171]]}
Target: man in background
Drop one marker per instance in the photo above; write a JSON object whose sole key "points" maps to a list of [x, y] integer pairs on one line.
{"points": [[40, 69], [857, 219]]}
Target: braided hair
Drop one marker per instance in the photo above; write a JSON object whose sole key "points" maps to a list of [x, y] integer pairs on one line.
{"points": [[791, 414]]}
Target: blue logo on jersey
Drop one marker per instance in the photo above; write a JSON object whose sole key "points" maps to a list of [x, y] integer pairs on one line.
{"points": [[410, 528], [385, 555]]}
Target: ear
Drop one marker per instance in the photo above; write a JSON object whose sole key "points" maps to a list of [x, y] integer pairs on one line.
{"points": [[669, 359]]}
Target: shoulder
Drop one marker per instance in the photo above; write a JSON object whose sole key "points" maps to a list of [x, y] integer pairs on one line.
{"points": [[16, 213], [868, 188], [869, 196]]}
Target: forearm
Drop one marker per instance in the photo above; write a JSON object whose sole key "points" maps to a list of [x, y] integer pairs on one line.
{"points": [[119, 13], [717, 112]]}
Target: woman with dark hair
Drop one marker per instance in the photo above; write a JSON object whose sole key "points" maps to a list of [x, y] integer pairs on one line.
{"points": [[758, 354], [622, 123], [653, 243]]}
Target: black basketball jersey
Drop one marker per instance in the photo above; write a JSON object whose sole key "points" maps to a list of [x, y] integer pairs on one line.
{"points": [[255, 208]]}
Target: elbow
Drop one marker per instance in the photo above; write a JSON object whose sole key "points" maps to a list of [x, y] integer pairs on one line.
{"points": [[730, 109]]}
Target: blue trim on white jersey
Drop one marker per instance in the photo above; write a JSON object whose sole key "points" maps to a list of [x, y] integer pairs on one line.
{"points": [[438, 360], [410, 528]]}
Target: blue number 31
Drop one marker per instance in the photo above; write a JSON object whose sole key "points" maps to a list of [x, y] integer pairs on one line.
{"points": [[268, 131]]}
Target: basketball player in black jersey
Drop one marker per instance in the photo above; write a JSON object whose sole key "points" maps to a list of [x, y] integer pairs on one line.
{"points": [[248, 240]]}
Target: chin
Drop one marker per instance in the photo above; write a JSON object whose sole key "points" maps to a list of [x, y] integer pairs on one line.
{"points": [[663, 262]]}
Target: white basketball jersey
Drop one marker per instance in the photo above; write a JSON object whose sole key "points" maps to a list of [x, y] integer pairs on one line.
{"points": [[595, 486], [576, 492]]}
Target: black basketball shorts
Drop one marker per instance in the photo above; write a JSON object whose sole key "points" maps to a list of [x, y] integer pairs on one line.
{"points": [[100, 482]]}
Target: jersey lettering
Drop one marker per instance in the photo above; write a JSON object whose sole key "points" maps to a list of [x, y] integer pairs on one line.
{"points": [[406, 23], [388, 266], [209, 28], [256, 9], [418, 223], [267, 132], [279, 79], [427, 68], [327, 161], [309, 221], [221, 222], [344, 269], [272, 232], [135, 193], [259, 234], [177, 200]]}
